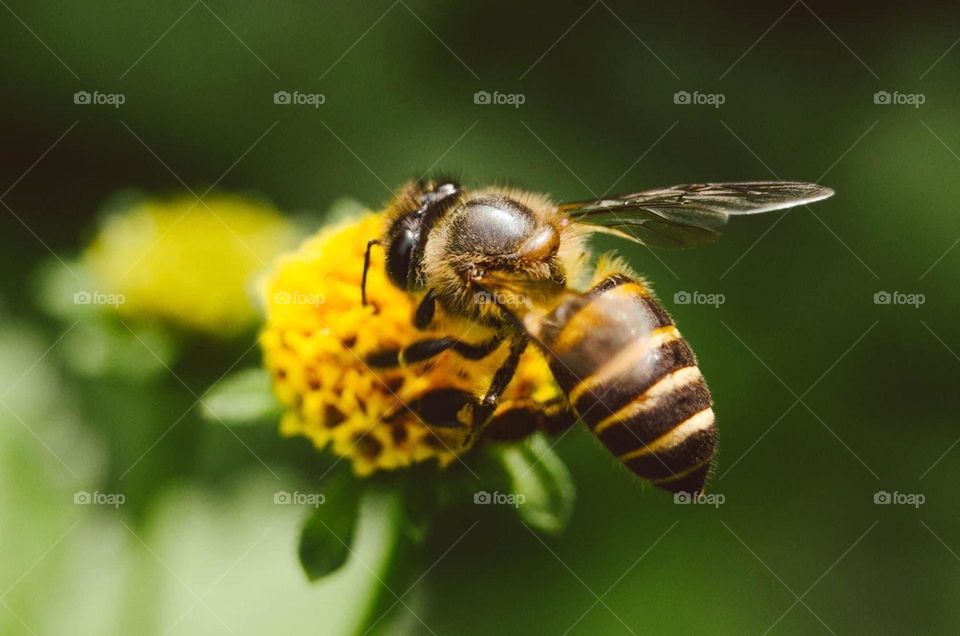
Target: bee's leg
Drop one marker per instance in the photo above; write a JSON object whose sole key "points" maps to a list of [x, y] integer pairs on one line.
{"points": [[445, 412], [501, 378], [526, 418], [427, 348], [425, 310]]}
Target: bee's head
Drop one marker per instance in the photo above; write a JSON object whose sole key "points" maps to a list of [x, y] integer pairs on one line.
{"points": [[417, 208]]}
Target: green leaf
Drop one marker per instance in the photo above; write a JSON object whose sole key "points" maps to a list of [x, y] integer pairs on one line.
{"points": [[539, 480], [325, 540], [327, 536], [243, 398], [421, 488], [349, 522]]}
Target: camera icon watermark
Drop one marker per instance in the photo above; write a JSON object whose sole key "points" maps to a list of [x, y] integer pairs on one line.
{"points": [[714, 499], [98, 298], [509, 299], [499, 99], [696, 98], [899, 298], [884, 498], [483, 498], [699, 298], [285, 498], [96, 498], [296, 98], [96, 98], [896, 98], [298, 298]]}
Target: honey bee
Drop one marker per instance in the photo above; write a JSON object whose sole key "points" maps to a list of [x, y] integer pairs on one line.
{"points": [[511, 262]]}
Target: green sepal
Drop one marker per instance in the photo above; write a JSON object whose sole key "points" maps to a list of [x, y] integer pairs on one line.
{"points": [[540, 483], [328, 532]]}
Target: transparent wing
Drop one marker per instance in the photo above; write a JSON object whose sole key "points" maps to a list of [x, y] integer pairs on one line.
{"points": [[688, 215]]}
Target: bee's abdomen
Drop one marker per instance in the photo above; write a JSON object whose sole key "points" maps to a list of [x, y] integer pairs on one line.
{"points": [[634, 381]]}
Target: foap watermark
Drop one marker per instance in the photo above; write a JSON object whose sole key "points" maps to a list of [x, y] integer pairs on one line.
{"points": [[696, 98], [482, 497], [96, 98], [896, 98], [297, 498], [884, 498], [96, 498], [714, 499], [98, 298], [899, 298], [497, 98], [299, 298], [499, 298], [296, 98], [699, 298]]}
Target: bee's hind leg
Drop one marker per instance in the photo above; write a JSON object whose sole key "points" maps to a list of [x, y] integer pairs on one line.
{"points": [[527, 417]]}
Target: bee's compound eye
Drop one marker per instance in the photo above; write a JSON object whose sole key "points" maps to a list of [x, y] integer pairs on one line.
{"points": [[398, 257]]}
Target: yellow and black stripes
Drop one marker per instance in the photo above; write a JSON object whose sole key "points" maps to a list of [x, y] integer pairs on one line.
{"points": [[680, 459], [634, 381], [631, 372]]}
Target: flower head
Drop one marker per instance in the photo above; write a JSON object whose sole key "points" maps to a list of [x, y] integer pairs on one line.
{"points": [[318, 335], [188, 262]]}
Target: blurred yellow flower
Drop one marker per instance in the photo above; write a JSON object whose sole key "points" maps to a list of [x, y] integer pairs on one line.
{"points": [[318, 334], [186, 262]]}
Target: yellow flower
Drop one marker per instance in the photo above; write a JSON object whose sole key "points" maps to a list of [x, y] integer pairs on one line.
{"points": [[186, 262], [318, 334]]}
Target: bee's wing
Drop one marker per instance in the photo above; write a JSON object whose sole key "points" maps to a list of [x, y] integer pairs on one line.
{"points": [[529, 304], [688, 215], [517, 294]]}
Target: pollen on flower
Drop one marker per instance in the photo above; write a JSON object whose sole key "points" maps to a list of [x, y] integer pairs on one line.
{"points": [[186, 262], [318, 334]]}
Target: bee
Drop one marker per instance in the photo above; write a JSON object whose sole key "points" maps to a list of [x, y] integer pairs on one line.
{"points": [[510, 262]]}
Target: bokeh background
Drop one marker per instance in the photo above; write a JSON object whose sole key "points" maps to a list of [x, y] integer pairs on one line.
{"points": [[824, 397]]}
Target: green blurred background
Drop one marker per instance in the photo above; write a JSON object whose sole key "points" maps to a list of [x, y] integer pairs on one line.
{"points": [[799, 321]]}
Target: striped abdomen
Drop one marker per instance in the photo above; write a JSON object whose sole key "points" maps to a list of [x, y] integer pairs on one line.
{"points": [[633, 379]]}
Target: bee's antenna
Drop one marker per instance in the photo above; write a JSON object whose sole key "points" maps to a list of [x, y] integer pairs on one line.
{"points": [[366, 268]]}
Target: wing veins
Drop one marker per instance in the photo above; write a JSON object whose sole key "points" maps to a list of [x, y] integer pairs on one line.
{"points": [[697, 212]]}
